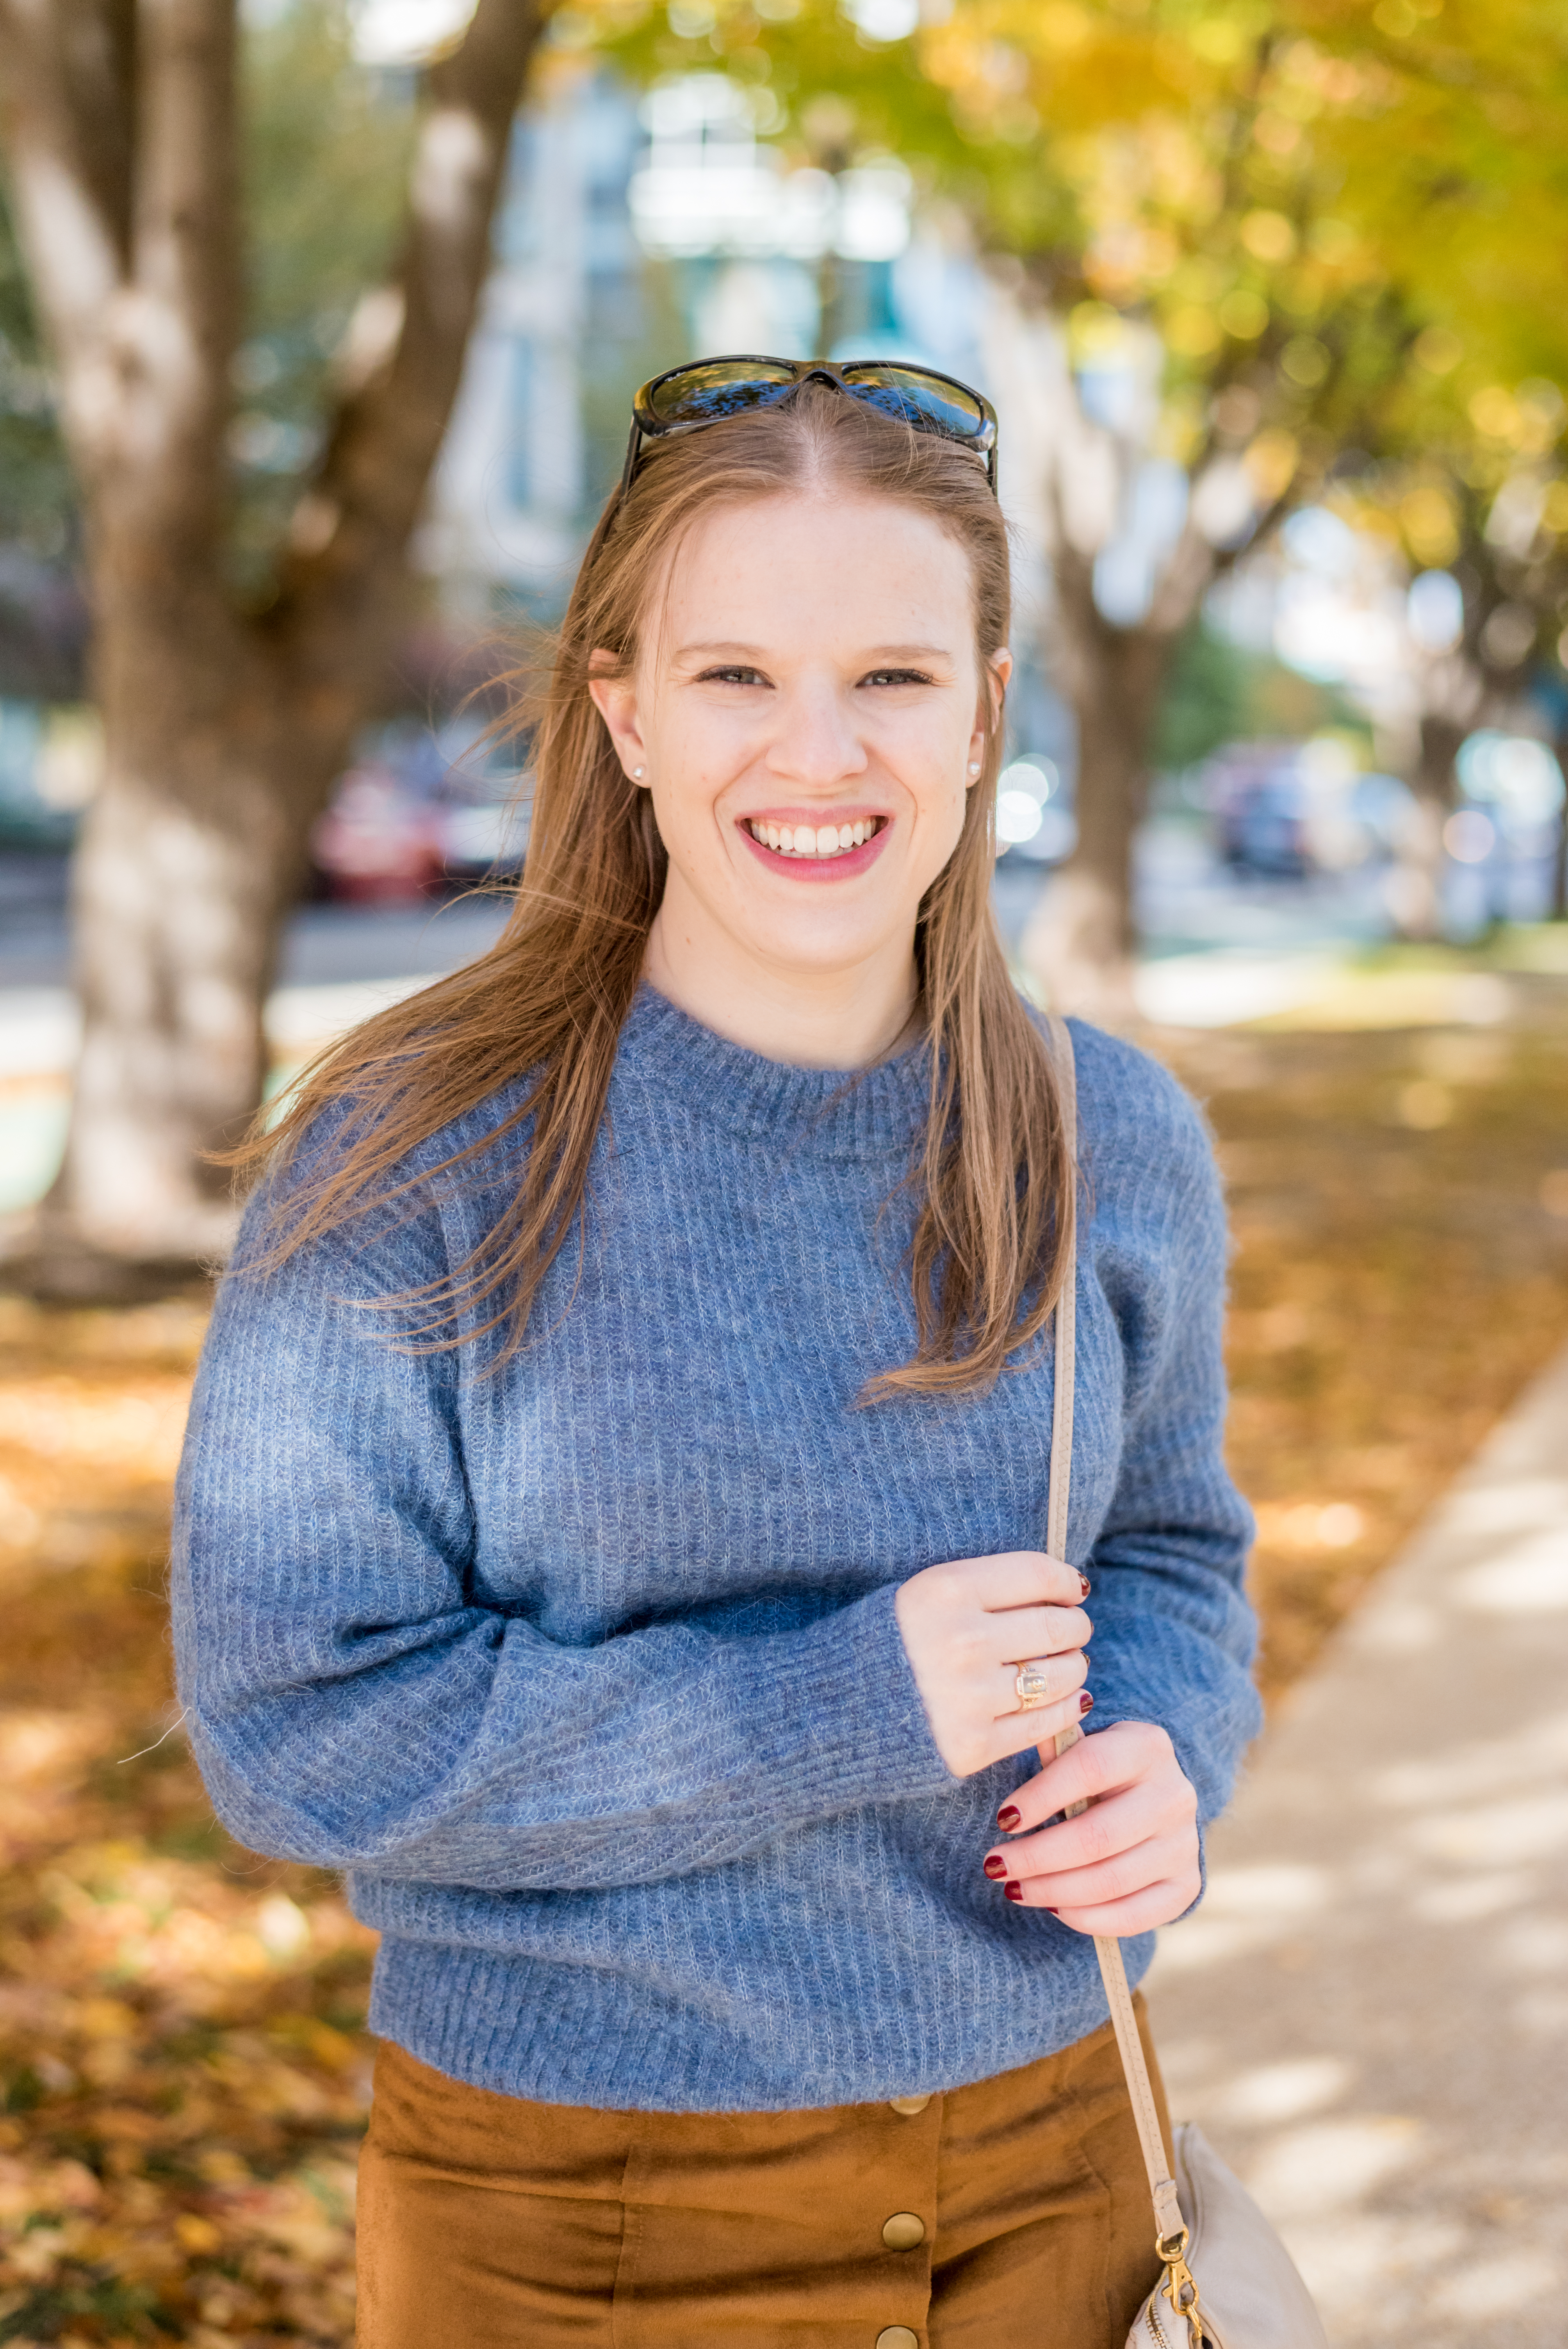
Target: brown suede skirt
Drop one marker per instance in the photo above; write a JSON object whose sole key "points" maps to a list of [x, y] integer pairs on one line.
{"points": [[1010, 2215]]}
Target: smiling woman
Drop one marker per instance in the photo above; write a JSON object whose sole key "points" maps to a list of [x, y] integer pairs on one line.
{"points": [[826, 741], [611, 1519]]}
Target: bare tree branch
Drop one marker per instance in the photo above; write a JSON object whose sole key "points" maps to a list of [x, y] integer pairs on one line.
{"points": [[405, 353], [121, 128], [68, 116], [172, 334]]}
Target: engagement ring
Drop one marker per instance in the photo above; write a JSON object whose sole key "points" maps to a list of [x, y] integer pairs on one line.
{"points": [[1034, 1689]]}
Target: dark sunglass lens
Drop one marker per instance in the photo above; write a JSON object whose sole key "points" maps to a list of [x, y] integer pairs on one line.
{"points": [[715, 388], [919, 398]]}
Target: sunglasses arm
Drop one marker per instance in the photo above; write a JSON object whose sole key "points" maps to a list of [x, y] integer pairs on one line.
{"points": [[633, 451]]}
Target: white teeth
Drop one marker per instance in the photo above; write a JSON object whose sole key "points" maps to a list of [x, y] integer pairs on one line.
{"points": [[804, 840]]}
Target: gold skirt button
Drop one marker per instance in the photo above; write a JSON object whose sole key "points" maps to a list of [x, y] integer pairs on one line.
{"points": [[909, 2105], [897, 2336], [904, 2230]]}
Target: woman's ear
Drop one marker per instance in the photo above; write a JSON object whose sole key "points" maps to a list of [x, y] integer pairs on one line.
{"points": [[994, 691], [616, 700]]}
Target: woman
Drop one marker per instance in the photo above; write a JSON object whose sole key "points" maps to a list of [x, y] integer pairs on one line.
{"points": [[611, 1519]]}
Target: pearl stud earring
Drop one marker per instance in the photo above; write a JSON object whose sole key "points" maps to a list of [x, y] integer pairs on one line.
{"points": [[974, 766], [638, 773]]}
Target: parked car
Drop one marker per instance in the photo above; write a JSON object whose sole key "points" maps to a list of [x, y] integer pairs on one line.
{"points": [[376, 842], [425, 807], [1285, 810], [1259, 806]]}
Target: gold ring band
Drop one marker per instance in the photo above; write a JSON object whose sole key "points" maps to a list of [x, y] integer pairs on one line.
{"points": [[1034, 1689]]}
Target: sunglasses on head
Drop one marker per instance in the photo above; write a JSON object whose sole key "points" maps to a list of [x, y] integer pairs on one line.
{"points": [[685, 398]]}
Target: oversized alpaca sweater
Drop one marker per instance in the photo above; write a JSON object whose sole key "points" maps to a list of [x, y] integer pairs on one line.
{"points": [[587, 1671]]}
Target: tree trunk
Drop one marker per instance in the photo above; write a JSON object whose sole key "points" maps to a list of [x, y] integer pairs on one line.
{"points": [[1415, 887], [189, 860], [223, 732], [1082, 938]]}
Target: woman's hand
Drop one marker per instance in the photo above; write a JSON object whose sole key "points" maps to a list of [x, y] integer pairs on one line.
{"points": [[1126, 1864], [966, 1629]]}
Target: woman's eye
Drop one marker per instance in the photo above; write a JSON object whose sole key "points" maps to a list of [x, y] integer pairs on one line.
{"points": [[733, 674], [895, 677]]}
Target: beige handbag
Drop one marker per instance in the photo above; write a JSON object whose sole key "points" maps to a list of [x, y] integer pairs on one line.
{"points": [[1228, 2283]]}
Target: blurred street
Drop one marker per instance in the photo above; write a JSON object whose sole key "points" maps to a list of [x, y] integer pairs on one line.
{"points": [[339, 962], [1220, 949]]}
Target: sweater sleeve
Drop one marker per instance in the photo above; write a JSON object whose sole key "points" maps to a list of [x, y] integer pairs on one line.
{"points": [[352, 1704], [1174, 1633]]}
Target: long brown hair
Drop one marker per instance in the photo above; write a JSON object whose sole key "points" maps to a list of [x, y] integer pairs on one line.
{"points": [[547, 1002]]}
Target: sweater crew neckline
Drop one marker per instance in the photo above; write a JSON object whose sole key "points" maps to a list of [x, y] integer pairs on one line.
{"points": [[827, 1113]]}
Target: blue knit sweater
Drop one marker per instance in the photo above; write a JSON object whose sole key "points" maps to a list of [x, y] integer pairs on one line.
{"points": [[588, 1671]]}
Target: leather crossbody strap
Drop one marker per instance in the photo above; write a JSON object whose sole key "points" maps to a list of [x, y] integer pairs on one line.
{"points": [[1113, 1973]]}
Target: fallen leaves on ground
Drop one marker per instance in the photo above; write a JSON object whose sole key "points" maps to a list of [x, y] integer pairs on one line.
{"points": [[182, 2059], [182, 2056], [1399, 1203]]}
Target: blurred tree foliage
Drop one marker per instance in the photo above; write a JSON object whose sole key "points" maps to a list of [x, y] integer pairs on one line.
{"points": [[1218, 691], [1306, 185], [1274, 243]]}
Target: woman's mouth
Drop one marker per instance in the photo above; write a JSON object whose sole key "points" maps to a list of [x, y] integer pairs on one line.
{"points": [[826, 841]]}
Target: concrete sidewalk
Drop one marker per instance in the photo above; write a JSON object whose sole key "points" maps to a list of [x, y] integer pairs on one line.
{"points": [[1370, 2015]]}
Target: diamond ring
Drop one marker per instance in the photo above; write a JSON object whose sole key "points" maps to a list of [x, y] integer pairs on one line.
{"points": [[1034, 1689]]}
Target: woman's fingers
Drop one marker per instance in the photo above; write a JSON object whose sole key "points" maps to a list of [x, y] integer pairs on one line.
{"points": [[1059, 1676], [1131, 1752], [1160, 1903], [1025, 1633], [967, 1626], [1125, 1864], [1020, 1578], [1114, 1824], [1012, 1732], [1154, 1861], [1132, 1853]]}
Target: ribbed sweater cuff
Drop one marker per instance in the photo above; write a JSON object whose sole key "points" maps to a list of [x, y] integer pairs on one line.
{"points": [[839, 1716]]}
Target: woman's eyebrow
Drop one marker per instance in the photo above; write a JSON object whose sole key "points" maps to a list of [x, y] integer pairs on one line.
{"points": [[882, 653], [870, 656]]}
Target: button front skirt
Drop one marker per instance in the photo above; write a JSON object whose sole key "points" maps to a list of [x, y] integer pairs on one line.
{"points": [[1011, 2214]]}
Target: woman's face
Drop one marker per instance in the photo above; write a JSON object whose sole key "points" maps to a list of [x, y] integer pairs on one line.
{"points": [[807, 710]]}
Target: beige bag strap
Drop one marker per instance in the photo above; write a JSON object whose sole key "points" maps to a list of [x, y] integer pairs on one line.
{"points": [[1113, 1973]]}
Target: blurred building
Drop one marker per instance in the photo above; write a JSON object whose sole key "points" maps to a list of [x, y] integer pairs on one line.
{"points": [[564, 308], [636, 231]]}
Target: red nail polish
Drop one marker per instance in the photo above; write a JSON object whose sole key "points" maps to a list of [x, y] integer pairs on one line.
{"points": [[1053, 1912], [1014, 1892], [995, 1866], [1085, 1585], [1008, 1818], [1085, 1703]]}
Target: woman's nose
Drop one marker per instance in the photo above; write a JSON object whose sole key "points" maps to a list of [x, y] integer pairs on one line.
{"points": [[816, 739]]}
